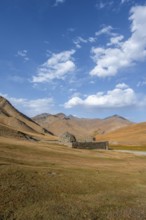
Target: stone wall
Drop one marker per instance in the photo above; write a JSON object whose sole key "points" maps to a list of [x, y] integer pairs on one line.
{"points": [[91, 145]]}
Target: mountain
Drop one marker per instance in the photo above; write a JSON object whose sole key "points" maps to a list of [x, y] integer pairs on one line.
{"points": [[134, 134], [82, 128], [114, 122], [15, 124], [12, 121]]}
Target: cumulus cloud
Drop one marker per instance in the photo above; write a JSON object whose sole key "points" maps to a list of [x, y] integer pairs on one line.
{"points": [[56, 67], [121, 96], [122, 54], [31, 107], [23, 54]]}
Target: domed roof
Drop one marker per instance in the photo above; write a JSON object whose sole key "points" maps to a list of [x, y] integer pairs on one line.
{"points": [[67, 137]]}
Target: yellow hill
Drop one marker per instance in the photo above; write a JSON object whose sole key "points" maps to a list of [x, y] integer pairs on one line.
{"points": [[130, 135]]}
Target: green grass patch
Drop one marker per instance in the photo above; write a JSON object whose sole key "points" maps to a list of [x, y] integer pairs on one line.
{"points": [[122, 147]]}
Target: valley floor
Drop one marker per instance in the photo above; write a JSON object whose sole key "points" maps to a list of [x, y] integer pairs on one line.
{"points": [[42, 181]]}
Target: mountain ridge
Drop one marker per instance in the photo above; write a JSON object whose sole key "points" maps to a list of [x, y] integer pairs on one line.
{"points": [[13, 120], [82, 128], [115, 129]]}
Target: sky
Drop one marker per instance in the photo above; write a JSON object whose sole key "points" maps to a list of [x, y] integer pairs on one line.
{"points": [[85, 58]]}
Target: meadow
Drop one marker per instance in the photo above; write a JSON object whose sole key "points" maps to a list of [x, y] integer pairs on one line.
{"points": [[46, 181]]}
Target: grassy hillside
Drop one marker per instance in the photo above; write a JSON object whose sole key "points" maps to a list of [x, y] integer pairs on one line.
{"points": [[133, 135], [49, 181]]}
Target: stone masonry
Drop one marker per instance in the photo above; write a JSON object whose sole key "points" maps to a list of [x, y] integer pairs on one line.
{"points": [[70, 140]]}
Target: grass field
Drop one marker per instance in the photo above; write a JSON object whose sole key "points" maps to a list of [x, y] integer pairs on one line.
{"points": [[122, 147], [40, 181]]}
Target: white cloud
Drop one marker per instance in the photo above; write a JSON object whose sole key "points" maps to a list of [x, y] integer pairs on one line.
{"points": [[105, 30], [75, 101], [56, 67], [116, 40], [120, 96], [122, 86], [141, 83], [92, 39], [80, 40], [57, 2], [31, 107], [124, 53], [23, 54]]}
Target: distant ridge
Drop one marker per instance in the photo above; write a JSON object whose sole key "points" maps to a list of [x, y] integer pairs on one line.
{"points": [[115, 128], [116, 116], [82, 128], [42, 116]]}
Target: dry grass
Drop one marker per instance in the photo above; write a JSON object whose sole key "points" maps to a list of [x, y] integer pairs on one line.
{"points": [[53, 182], [122, 147], [133, 135]]}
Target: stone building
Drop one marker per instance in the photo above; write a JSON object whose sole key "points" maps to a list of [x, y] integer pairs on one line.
{"points": [[67, 138], [70, 140]]}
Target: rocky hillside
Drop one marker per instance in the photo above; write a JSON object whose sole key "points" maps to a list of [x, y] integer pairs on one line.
{"points": [[11, 119]]}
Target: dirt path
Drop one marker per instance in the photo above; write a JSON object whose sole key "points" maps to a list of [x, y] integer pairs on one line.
{"points": [[140, 153]]}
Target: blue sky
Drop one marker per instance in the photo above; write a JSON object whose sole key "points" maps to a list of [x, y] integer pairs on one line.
{"points": [[81, 57]]}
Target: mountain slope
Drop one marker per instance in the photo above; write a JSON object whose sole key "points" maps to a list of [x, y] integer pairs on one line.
{"points": [[131, 135], [12, 118], [82, 128], [8, 132]]}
